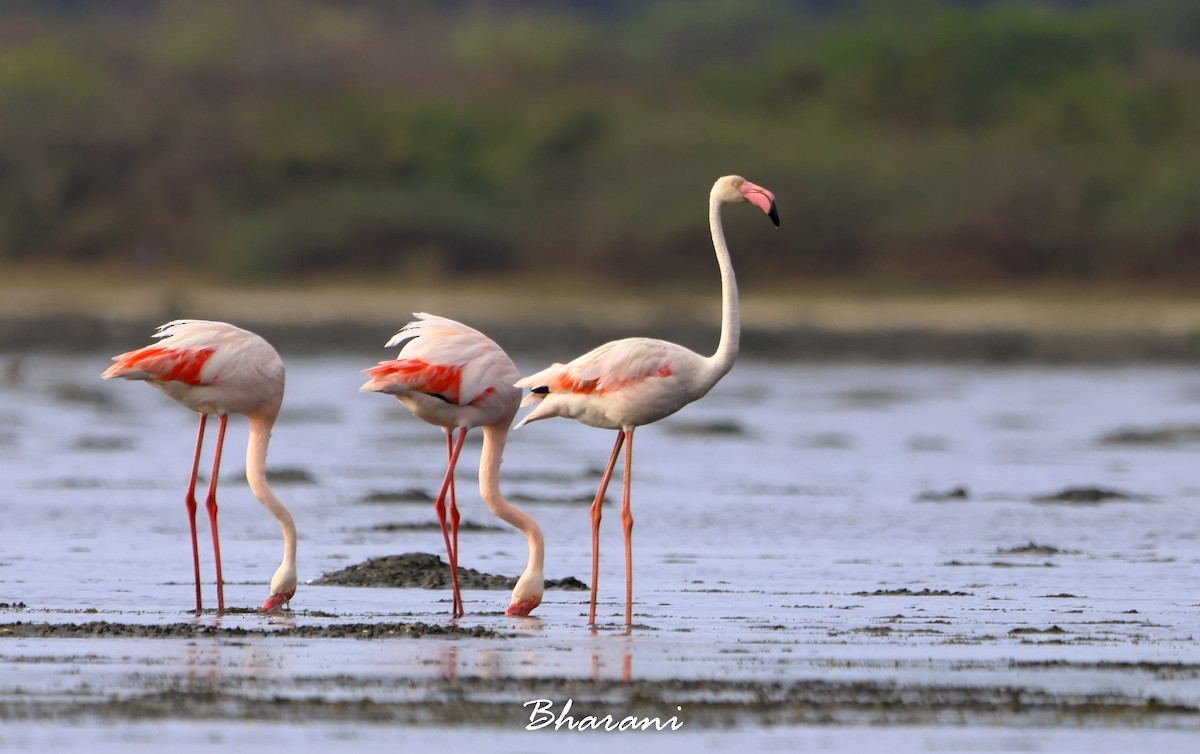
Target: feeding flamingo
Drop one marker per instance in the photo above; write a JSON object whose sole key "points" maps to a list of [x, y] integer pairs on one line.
{"points": [[456, 378], [217, 369], [627, 383]]}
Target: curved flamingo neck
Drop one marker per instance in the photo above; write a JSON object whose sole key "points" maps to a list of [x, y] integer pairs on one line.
{"points": [[492, 453], [256, 475], [721, 362]]}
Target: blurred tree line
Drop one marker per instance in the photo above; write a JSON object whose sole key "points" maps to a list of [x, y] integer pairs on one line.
{"points": [[911, 141]]}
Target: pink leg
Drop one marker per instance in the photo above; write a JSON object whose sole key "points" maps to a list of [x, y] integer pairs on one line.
{"points": [[190, 503], [454, 516], [439, 507], [211, 504], [595, 510], [627, 523]]}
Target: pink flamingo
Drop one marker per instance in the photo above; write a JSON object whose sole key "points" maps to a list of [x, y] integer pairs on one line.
{"points": [[217, 369], [456, 378], [628, 383]]}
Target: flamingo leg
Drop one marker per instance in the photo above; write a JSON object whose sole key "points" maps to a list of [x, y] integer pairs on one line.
{"points": [[190, 503], [211, 504], [627, 524], [595, 511], [454, 517], [439, 507]]}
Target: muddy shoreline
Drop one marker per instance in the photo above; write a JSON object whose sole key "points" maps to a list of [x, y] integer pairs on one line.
{"points": [[499, 702], [1058, 325], [713, 703], [880, 342], [103, 629]]}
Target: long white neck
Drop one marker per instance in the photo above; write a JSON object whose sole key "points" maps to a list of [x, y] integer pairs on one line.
{"points": [[256, 475], [494, 437], [721, 362]]}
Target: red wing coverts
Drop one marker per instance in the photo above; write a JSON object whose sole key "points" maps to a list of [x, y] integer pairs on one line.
{"points": [[162, 364], [415, 375]]}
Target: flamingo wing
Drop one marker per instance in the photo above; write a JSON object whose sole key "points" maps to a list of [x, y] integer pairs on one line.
{"points": [[441, 357], [606, 369], [210, 367], [183, 353], [161, 364], [398, 376]]}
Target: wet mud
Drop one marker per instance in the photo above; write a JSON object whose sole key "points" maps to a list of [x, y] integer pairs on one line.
{"points": [[1086, 495], [883, 339], [696, 704], [431, 526], [1167, 435], [104, 629], [418, 570], [1033, 548]]}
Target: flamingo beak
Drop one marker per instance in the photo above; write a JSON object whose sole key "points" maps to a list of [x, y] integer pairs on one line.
{"points": [[275, 601], [761, 198], [524, 607]]}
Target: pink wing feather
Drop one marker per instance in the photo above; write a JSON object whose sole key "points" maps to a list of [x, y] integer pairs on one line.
{"points": [[186, 348], [163, 364], [443, 357], [610, 367]]}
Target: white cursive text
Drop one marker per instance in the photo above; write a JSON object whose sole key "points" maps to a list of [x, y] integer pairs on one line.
{"points": [[543, 716]]}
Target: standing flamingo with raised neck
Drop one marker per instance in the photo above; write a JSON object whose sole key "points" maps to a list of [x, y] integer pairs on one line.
{"points": [[216, 369], [455, 377], [627, 383]]}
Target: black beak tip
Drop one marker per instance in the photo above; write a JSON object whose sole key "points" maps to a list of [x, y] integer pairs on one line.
{"points": [[774, 215]]}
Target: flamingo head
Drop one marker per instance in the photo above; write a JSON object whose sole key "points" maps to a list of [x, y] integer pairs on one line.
{"points": [[283, 587], [734, 188], [527, 594], [276, 601]]}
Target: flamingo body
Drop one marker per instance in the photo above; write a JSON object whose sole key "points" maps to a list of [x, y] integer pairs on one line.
{"points": [[213, 368], [217, 369], [455, 377], [623, 384], [632, 382], [448, 374]]}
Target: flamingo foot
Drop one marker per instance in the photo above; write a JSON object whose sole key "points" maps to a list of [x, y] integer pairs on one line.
{"points": [[276, 601], [524, 607]]}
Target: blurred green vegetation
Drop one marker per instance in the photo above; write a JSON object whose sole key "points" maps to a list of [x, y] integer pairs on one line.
{"points": [[909, 141]]}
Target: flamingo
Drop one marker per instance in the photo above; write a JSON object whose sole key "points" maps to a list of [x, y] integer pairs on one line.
{"points": [[217, 369], [455, 377], [628, 383]]}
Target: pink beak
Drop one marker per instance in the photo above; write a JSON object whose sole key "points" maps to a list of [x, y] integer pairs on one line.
{"points": [[761, 198], [524, 607], [275, 601]]}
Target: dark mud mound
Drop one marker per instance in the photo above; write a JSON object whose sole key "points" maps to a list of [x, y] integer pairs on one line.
{"points": [[419, 570], [1033, 548], [718, 428], [107, 630], [281, 476], [906, 592], [944, 496], [1167, 435], [409, 495], [1087, 496], [473, 526]]}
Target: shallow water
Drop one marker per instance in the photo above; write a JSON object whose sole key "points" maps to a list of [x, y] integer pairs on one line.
{"points": [[802, 575]]}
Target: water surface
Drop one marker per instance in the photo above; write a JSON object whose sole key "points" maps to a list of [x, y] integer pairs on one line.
{"points": [[819, 550]]}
